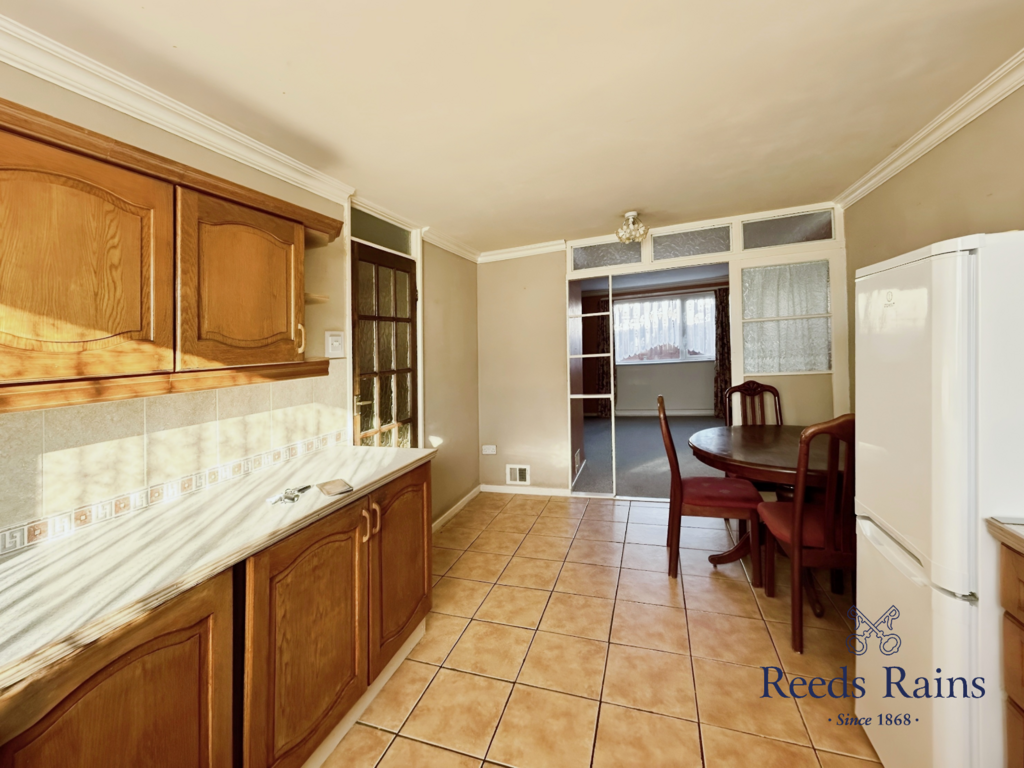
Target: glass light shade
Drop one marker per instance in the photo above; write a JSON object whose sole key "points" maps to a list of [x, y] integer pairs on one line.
{"points": [[632, 230]]}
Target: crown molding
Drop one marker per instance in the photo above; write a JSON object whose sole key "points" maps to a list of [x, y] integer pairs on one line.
{"points": [[982, 97], [49, 60], [518, 253], [450, 244]]}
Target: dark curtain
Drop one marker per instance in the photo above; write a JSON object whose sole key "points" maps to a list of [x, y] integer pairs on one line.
{"points": [[604, 372], [723, 350]]}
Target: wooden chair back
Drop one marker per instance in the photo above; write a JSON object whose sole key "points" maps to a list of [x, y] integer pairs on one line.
{"points": [[840, 519], [752, 403], [676, 491]]}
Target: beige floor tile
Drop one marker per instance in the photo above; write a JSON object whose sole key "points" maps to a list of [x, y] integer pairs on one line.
{"points": [[459, 597], [645, 557], [361, 748], [715, 523], [477, 519], [512, 523], [600, 530], [459, 711], [650, 626], [544, 547], [586, 579], [399, 695], [649, 504], [527, 572], [455, 538], [607, 514], [489, 501], [545, 729], [443, 559], [831, 760], [495, 650], [778, 609], [517, 606], [434, 578], [637, 533], [563, 663], [704, 538], [527, 505], [731, 638], [595, 552], [559, 509], [649, 515], [650, 587], [820, 717], [442, 632], [694, 562], [406, 753], [497, 542], [653, 681], [825, 651], [715, 596], [731, 749], [579, 616], [729, 695], [479, 566], [556, 526], [628, 737]]}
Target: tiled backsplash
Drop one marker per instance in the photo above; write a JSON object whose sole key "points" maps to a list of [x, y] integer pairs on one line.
{"points": [[72, 466]]}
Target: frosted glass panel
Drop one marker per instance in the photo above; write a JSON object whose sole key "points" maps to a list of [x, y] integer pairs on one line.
{"points": [[404, 436], [693, 243], [386, 287], [387, 400], [368, 227], [605, 255], [367, 289], [787, 290], [787, 346], [801, 228], [386, 350]]}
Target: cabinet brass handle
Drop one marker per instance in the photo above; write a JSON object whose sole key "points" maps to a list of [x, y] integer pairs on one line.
{"points": [[366, 538], [376, 509], [302, 346]]}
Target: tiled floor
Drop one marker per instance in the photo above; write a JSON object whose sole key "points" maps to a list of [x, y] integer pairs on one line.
{"points": [[558, 641]]}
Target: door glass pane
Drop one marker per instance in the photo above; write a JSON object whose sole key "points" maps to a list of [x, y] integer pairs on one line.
{"points": [[385, 292], [387, 345], [403, 334], [692, 243], [605, 255], [786, 290], [387, 400], [783, 230], [405, 436], [366, 402], [787, 346], [368, 227], [404, 396], [366, 330], [403, 294], [387, 439], [369, 440], [367, 289]]}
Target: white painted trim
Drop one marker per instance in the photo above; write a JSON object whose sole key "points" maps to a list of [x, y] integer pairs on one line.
{"points": [[628, 413], [524, 490], [450, 244], [384, 248], [981, 98], [524, 250], [49, 60], [381, 212], [329, 744], [459, 505]]}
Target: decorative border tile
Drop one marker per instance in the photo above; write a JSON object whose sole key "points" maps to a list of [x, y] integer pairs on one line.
{"points": [[67, 523]]}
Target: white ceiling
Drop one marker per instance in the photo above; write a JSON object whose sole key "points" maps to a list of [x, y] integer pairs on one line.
{"points": [[504, 124]]}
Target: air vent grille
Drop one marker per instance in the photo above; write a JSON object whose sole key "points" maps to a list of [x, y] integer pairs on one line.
{"points": [[517, 474]]}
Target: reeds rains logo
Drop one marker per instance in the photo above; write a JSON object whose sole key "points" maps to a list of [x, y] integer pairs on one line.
{"points": [[870, 634]]}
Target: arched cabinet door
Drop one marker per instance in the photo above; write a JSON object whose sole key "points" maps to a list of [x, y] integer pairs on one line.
{"points": [[399, 564], [240, 285], [86, 266]]}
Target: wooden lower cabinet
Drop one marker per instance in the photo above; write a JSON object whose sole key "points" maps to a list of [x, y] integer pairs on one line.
{"points": [[155, 693]]}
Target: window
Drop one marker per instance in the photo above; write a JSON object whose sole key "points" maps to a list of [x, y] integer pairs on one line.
{"points": [[665, 329]]}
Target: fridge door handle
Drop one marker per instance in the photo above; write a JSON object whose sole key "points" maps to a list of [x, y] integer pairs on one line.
{"points": [[892, 552]]}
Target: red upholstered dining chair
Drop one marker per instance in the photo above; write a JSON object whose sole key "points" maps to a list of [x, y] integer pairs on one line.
{"points": [[753, 411], [724, 497], [816, 533]]}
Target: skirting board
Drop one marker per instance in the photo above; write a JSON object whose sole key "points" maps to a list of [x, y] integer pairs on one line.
{"points": [[439, 523], [679, 412], [319, 757], [527, 490]]}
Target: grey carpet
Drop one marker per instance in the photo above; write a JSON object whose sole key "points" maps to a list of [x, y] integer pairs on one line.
{"points": [[640, 455]]}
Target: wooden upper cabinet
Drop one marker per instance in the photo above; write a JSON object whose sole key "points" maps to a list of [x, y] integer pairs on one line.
{"points": [[240, 285], [86, 266]]}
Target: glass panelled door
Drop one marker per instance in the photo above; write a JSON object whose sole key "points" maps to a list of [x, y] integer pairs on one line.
{"points": [[384, 348]]}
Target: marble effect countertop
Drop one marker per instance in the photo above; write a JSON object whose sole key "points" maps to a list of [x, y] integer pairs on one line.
{"points": [[1009, 534], [62, 595]]}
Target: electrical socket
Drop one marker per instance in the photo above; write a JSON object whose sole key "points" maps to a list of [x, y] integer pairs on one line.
{"points": [[490, 450]]}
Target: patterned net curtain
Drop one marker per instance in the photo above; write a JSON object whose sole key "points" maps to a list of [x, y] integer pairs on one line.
{"points": [[605, 372], [723, 350]]}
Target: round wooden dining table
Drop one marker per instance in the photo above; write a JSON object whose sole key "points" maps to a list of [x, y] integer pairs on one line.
{"points": [[766, 453]]}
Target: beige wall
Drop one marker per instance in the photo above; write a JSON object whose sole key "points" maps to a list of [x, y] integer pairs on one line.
{"points": [[688, 387], [450, 374], [523, 369], [805, 398], [972, 182]]}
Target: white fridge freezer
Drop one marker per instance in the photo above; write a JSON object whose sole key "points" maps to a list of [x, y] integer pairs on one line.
{"points": [[939, 356]]}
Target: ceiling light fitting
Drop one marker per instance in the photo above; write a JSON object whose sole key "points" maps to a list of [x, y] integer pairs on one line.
{"points": [[632, 230]]}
